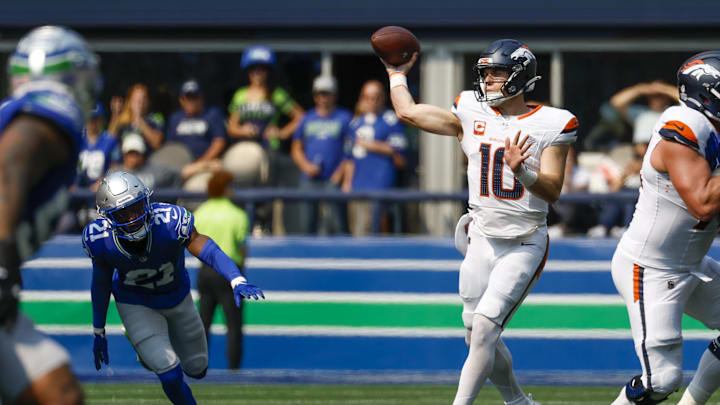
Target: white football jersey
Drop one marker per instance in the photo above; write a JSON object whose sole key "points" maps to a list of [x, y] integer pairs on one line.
{"points": [[500, 206], [663, 234]]}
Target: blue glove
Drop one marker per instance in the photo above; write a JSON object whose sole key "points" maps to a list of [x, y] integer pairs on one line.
{"points": [[244, 290], [100, 350]]}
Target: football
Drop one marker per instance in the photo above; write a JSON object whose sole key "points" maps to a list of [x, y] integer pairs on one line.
{"points": [[395, 45]]}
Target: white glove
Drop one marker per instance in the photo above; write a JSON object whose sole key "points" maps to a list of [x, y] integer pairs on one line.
{"points": [[461, 233]]}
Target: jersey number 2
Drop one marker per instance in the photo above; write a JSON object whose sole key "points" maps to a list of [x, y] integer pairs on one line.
{"points": [[498, 163]]}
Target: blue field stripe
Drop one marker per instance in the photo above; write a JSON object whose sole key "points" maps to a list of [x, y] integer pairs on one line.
{"points": [[596, 282], [365, 353]]}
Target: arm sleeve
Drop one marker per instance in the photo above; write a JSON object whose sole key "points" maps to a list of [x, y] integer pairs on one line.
{"points": [[213, 256], [100, 290], [282, 100]]}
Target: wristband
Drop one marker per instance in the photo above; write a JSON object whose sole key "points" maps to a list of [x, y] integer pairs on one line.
{"points": [[238, 280], [526, 177], [398, 79], [99, 331]]}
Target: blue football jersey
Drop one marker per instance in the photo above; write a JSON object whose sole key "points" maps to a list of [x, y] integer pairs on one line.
{"points": [[48, 199], [156, 279]]}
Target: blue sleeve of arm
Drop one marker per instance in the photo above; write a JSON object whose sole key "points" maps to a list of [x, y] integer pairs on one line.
{"points": [[100, 290], [213, 256]]}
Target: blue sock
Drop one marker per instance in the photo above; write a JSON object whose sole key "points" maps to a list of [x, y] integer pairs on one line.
{"points": [[175, 388]]}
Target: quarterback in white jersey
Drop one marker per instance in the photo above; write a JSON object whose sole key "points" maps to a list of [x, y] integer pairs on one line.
{"points": [[659, 267], [516, 162]]}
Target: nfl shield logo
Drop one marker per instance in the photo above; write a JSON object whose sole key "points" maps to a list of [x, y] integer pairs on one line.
{"points": [[671, 284]]}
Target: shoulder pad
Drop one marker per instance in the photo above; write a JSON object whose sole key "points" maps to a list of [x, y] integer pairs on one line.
{"points": [[94, 231], [177, 220], [686, 126]]}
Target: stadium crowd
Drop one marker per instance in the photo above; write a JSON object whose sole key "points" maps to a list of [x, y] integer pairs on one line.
{"points": [[266, 139]]}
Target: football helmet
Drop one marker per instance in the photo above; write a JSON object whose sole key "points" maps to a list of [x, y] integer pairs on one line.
{"points": [[124, 201], [699, 83], [49, 55], [517, 59]]}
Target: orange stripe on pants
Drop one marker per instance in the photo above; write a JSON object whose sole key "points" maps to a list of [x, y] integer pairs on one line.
{"points": [[636, 283]]}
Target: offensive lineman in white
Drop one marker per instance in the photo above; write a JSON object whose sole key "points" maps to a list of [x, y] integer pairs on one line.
{"points": [[516, 162], [659, 267]]}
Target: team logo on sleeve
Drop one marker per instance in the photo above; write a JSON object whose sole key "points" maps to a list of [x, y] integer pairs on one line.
{"points": [[479, 127]]}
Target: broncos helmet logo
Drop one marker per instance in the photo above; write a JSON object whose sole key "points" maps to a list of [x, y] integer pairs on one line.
{"points": [[699, 70], [522, 53]]}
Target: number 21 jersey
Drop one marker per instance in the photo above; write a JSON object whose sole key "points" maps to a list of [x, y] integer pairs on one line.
{"points": [[500, 206], [157, 278]]}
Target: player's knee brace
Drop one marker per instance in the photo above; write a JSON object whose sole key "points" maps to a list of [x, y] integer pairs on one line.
{"points": [[639, 395], [196, 367], [714, 347]]}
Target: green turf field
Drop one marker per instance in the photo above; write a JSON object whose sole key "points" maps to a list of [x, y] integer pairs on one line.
{"points": [[214, 394]]}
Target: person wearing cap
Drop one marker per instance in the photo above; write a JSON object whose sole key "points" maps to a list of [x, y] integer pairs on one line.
{"points": [[228, 225], [256, 109], [257, 112], [200, 129], [318, 151], [99, 150], [134, 160]]}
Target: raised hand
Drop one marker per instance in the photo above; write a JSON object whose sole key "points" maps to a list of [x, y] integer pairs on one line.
{"points": [[404, 68], [516, 152]]}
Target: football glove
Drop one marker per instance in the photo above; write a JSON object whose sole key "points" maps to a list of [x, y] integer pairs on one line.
{"points": [[10, 283], [245, 290], [100, 349]]}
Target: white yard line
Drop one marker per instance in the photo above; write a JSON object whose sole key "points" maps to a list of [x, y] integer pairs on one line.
{"points": [[359, 298], [334, 264]]}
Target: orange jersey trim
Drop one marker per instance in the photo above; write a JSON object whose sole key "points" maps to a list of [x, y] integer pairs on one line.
{"points": [[682, 130], [636, 283], [534, 110], [571, 125]]}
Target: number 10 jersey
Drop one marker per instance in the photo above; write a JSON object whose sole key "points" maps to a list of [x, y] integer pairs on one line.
{"points": [[500, 206]]}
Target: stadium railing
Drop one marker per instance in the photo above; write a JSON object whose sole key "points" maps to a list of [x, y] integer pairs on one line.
{"points": [[249, 198]]}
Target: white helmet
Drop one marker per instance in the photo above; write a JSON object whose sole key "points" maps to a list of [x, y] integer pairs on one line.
{"points": [[124, 201], [52, 54]]}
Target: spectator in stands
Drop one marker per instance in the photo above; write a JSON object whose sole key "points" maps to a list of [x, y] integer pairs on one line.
{"points": [[256, 109], [378, 143], [99, 150], [200, 129], [228, 226], [132, 115], [318, 151], [572, 218], [614, 217], [256, 113], [623, 111], [134, 160]]}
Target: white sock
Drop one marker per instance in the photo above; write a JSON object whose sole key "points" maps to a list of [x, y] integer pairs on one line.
{"points": [[503, 378], [705, 381], [622, 399], [480, 359]]}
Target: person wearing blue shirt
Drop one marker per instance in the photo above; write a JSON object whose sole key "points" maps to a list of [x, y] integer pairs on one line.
{"points": [[318, 151], [201, 129], [99, 150], [53, 76], [378, 147], [138, 255]]}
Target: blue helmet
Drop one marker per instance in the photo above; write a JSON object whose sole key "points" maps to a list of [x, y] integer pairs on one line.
{"points": [[257, 55], [58, 58], [699, 83], [124, 201], [513, 56]]}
